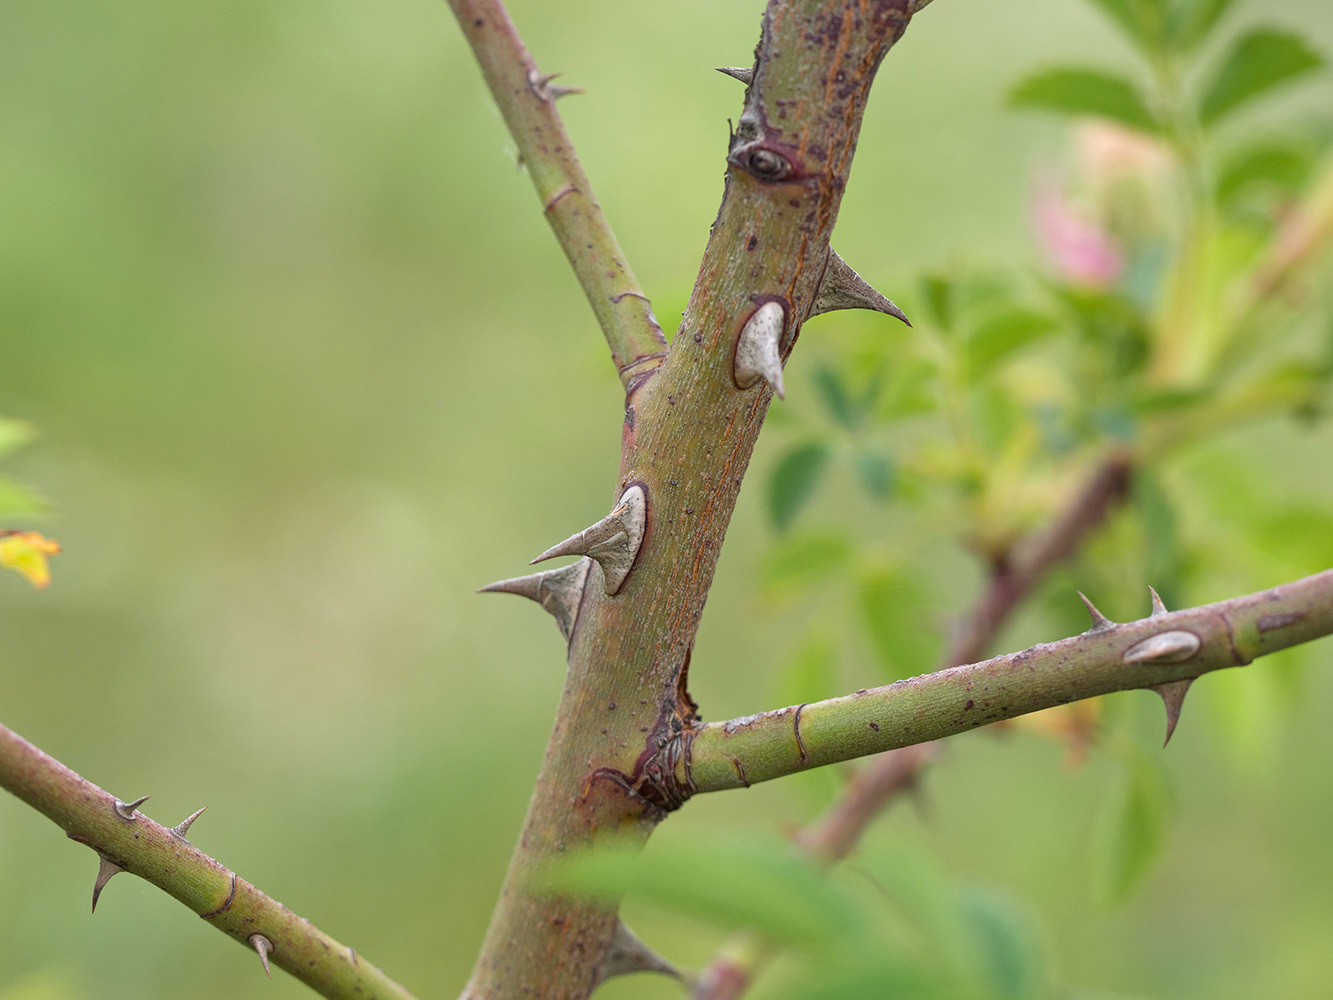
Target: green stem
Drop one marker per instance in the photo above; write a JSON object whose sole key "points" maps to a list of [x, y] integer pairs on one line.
{"points": [[1231, 633], [527, 100], [156, 854]]}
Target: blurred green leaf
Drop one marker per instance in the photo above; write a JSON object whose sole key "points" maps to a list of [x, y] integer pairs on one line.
{"points": [[911, 391], [837, 400], [1189, 22], [1257, 62], [18, 500], [1001, 335], [868, 977], [1006, 949], [897, 613], [799, 560], [1133, 826], [14, 434], [1085, 92], [876, 472], [794, 481], [755, 883], [1280, 165], [1142, 21], [938, 292]]}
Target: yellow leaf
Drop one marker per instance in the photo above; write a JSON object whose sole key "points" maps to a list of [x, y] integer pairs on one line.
{"points": [[25, 552]]}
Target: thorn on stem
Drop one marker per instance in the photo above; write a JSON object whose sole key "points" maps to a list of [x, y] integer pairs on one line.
{"points": [[264, 946], [628, 954], [1099, 621], [182, 828], [843, 288], [125, 810], [1173, 697], [105, 869], [1158, 606], [613, 541], [540, 85], [741, 73], [559, 591]]}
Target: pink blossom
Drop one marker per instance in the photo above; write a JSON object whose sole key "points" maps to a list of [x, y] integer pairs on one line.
{"points": [[1081, 252]]}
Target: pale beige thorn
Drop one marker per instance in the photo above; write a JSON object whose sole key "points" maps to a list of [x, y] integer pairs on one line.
{"points": [[1175, 646], [183, 827], [757, 348], [744, 74], [627, 954], [105, 869], [1099, 620], [843, 288], [557, 590], [540, 85], [1173, 697], [613, 541], [1158, 605], [126, 809], [264, 946]]}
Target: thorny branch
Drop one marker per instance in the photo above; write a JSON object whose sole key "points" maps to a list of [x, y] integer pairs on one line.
{"points": [[527, 99], [1165, 651], [127, 840]]}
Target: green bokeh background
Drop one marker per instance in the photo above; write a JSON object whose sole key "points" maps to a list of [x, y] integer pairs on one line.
{"points": [[309, 368]]}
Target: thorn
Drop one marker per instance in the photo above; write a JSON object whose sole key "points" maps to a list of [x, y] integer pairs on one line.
{"points": [[1099, 620], [1173, 697], [757, 355], [627, 954], [184, 826], [264, 946], [745, 76], [613, 541], [105, 869], [126, 809], [1158, 607], [1166, 647], [557, 590], [843, 288], [540, 85]]}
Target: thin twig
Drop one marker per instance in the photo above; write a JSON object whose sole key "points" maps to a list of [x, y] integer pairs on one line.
{"points": [[124, 837], [527, 99], [1163, 652]]}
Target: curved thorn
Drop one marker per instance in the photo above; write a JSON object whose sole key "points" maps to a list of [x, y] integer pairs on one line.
{"points": [[628, 954], [183, 827], [105, 869], [264, 946], [557, 590], [843, 288], [1173, 697], [744, 75], [757, 349], [1099, 620], [1158, 606], [613, 541], [1175, 646], [126, 809]]}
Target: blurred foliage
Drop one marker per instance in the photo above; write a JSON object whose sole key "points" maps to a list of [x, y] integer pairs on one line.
{"points": [[296, 337]]}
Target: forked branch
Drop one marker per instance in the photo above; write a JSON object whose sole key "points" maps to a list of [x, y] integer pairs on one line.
{"points": [[127, 840]]}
